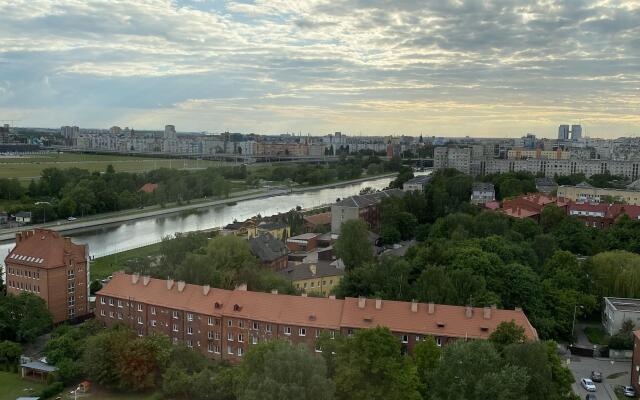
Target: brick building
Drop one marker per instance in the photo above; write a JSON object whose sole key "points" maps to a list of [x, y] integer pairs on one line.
{"points": [[53, 268], [223, 324]]}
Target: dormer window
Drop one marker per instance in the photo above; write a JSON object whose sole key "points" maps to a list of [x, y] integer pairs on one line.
{"points": [[217, 305], [440, 324], [237, 307]]}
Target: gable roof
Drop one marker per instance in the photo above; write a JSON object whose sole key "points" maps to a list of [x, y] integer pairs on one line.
{"points": [[44, 248], [319, 219], [310, 270], [483, 187], [267, 248], [366, 200]]}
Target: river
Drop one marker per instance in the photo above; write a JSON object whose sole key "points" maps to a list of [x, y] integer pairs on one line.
{"points": [[129, 235]]}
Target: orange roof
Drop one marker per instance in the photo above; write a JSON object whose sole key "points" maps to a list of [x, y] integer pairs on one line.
{"points": [[313, 311], [149, 187], [43, 248], [319, 219]]}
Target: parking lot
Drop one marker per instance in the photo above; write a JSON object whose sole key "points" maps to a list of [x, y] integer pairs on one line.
{"points": [[581, 367]]}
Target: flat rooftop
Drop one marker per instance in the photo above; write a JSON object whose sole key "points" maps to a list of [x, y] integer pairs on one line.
{"points": [[622, 304]]}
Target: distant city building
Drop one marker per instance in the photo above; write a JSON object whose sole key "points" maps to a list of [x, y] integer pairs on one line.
{"points": [[53, 268], [416, 183], [70, 132], [115, 130], [546, 185], [586, 193], [576, 132], [452, 157], [4, 134], [529, 141], [563, 132], [523, 154], [482, 193], [169, 132]]}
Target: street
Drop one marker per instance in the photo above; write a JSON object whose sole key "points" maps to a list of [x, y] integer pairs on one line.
{"points": [[581, 367]]}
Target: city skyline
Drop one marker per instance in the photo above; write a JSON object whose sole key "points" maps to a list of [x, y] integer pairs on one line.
{"points": [[432, 68]]}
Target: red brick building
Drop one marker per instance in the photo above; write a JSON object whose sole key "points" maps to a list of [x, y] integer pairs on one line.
{"points": [[223, 324], [635, 362], [53, 268], [304, 242]]}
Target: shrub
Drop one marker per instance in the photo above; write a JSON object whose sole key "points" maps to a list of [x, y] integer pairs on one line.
{"points": [[51, 390]]}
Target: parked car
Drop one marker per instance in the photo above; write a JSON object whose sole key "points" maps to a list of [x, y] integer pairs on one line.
{"points": [[596, 376], [72, 219], [629, 391], [590, 396], [588, 385]]}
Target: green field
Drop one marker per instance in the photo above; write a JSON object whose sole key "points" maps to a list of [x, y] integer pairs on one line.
{"points": [[13, 386], [28, 167], [105, 266]]}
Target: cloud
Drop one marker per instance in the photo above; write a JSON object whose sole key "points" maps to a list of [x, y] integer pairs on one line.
{"points": [[319, 65]]}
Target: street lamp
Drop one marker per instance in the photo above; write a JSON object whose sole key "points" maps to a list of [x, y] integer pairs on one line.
{"points": [[44, 209], [573, 325]]}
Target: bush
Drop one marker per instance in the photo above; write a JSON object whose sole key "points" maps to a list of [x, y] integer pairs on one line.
{"points": [[51, 390], [621, 341]]}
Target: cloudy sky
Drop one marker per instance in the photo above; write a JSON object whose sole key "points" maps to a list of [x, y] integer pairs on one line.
{"points": [[433, 67]]}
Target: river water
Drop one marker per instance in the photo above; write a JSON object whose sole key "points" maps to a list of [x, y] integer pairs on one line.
{"points": [[129, 235]]}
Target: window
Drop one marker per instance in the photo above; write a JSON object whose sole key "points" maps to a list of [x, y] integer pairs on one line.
{"points": [[439, 341], [240, 324], [418, 338], [302, 332], [240, 351], [254, 340], [153, 322], [189, 330], [110, 314], [102, 300], [210, 335], [216, 335], [313, 284], [318, 333], [405, 338], [240, 337], [119, 315], [110, 302], [210, 321], [190, 343], [102, 313], [140, 320], [229, 336], [153, 311], [332, 334], [139, 307], [175, 327], [287, 330], [216, 349], [189, 317], [175, 340], [229, 350], [318, 349], [175, 315], [210, 347], [349, 332], [267, 328], [230, 323], [119, 303], [256, 326], [140, 332]]}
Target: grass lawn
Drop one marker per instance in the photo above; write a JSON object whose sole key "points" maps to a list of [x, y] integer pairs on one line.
{"points": [[25, 168], [105, 266], [13, 386], [596, 335]]}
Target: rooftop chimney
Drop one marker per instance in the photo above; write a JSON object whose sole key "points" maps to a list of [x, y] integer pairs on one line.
{"points": [[378, 304], [241, 287], [181, 285], [332, 297], [169, 284], [274, 291], [206, 289], [518, 309], [468, 312], [312, 268], [135, 278], [414, 306], [487, 313], [18, 237], [146, 279], [304, 295], [362, 301], [432, 308]]}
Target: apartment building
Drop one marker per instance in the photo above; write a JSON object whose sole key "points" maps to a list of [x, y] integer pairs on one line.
{"points": [[53, 268], [453, 157], [223, 324], [364, 207], [584, 192]]}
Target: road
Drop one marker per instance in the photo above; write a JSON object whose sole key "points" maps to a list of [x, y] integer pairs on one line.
{"points": [[581, 367]]}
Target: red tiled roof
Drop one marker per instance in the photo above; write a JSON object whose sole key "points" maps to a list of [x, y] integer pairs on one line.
{"points": [[492, 205], [319, 219], [149, 187], [312, 311], [43, 248]]}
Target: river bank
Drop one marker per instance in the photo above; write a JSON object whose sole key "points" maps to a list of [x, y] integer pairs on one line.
{"points": [[113, 219]]}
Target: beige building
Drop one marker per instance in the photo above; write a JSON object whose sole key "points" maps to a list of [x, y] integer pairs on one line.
{"points": [[523, 154], [587, 193]]}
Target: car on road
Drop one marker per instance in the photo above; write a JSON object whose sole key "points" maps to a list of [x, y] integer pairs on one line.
{"points": [[590, 396], [629, 391], [588, 385], [72, 219], [596, 376]]}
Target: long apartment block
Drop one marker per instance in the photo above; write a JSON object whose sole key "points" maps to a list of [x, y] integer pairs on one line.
{"points": [[224, 324]]}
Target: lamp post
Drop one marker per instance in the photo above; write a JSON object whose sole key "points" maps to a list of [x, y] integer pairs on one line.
{"points": [[573, 325], [44, 209]]}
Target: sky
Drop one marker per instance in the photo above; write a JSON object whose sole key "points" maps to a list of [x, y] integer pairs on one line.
{"points": [[362, 67]]}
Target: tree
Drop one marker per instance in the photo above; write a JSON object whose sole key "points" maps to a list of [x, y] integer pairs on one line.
{"points": [[276, 370], [615, 273], [426, 357], [353, 245], [507, 333], [95, 286], [66, 207], [23, 317], [370, 366], [9, 352]]}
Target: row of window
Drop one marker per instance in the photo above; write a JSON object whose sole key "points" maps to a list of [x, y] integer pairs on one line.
{"points": [[313, 284], [23, 272], [27, 287]]}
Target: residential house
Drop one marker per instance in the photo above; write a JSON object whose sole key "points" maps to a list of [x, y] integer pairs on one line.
{"points": [[271, 251], [602, 215], [51, 267], [364, 207], [304, 242], [316, 277], [4, 217], [546, 185], [586, 193], [23, 217], [224, 324], [530, 205], [277, 229], [417, 183], [317, 222], [482, 193]]}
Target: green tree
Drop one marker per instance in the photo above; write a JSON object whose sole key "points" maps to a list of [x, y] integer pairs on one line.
{"points": [[353, 245], [277, 370], [23, 317], [66, 207], [507, 333], [370, 366], [10, 352], [615, 273], [426, 357]]}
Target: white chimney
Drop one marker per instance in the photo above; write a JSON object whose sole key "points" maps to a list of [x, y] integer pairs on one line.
{"points": [[362, 301], [206, 289], [274, 291], [304, 295], [169, 284], [378, 304], [432, 308], [487, 313], [332, 297], [146, 279], [134, 278], [181, 285], [414, 306], [241, 287], [468, 312]]}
